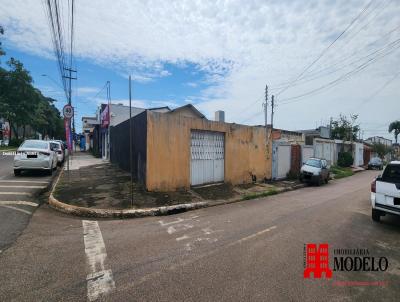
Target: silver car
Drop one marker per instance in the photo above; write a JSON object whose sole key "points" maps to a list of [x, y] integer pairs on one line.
{"points": [[35, 155], [60, 151]]}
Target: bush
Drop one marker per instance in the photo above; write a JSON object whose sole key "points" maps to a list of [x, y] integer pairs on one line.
{"points": [[292, 175], [345, 159], [14, 142]]}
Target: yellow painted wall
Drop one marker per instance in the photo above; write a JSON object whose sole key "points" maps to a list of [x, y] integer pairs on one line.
{"points": [[168, 151]]}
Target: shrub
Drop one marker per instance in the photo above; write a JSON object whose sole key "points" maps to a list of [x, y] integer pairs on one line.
{"points": [[292, 175], [14, 142], [345, 159]]}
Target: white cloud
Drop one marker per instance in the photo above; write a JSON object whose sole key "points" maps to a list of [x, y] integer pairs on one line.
{"points": [[87, 90], [240, 45]]}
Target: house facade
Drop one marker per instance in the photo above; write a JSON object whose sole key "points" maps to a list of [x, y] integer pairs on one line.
{"points": [[181, 148], [379, 140]]}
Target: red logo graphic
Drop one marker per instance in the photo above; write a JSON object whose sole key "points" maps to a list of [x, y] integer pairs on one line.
{"points": [[317, 261]]}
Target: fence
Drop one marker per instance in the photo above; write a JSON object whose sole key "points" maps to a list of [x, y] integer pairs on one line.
{"points": [[119, 146]]}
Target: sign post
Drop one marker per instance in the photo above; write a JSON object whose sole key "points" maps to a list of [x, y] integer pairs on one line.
{"points": [[68, 113]]}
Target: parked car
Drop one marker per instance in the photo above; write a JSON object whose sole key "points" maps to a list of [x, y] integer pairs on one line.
{"points": [[385, 192], [375, 163], [315, 170], [60, 150], [35, 155]]}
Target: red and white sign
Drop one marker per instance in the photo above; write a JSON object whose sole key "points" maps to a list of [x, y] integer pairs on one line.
{"points": [[68, 137], [105, 117], [68, 111]]}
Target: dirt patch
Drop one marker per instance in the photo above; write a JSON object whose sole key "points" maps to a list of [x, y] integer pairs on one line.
{"points": [[106, 186], [215, 192]]}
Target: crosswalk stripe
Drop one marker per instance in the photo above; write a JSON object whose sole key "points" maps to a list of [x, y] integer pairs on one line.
{"points": [[16, 193], [18, 202], [29, 181], [29, 187], [99, 279], [17, 209]]}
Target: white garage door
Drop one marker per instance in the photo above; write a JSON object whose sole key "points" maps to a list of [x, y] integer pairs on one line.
{"points": [[207, 157]]}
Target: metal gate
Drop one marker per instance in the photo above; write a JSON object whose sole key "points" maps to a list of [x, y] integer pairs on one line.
{"points": [[207, 157], [280, 160]]}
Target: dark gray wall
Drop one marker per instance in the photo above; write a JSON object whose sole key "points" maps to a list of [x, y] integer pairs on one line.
{"points": [[119, 146]]}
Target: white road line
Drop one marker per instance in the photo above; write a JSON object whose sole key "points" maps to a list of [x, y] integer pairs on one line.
{"points": [[16, 193], [16, 209], [172, 222], [28, 187], [99, 279], [29, 181], [18, 202], [184, 237], [253, 235]]}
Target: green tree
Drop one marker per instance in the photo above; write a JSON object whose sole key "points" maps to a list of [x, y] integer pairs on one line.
{"points": [[21, 104], [345, 128], [381, 149], [395, 128], [19, 98]]}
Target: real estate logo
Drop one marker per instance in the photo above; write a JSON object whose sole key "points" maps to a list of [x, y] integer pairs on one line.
{"points": [[316, 261]]}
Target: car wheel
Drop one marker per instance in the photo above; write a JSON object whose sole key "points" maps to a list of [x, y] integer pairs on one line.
{"points": [[17, 172], [327, 179], [50, 172], [376, 215], [301, 179], [319, 181]]}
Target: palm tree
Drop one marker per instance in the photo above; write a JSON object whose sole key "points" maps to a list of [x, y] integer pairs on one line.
{"points": [[395, 126]]}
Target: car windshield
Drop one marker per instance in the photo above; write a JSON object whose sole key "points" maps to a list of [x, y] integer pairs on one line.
{"points": [[55, 146], [392, 173], [314, 163], [375, 160], [35, 144]]}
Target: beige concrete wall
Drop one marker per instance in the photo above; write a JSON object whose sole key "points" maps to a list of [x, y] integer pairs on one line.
{"points": [[168, 151]]}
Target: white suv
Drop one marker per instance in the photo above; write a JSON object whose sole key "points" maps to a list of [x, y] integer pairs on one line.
{"points": [[385, 192]]}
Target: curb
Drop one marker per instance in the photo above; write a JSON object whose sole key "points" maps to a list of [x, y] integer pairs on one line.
{"points": [[137, 213]]}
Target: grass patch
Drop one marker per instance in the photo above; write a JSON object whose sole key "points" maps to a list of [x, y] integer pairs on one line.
{"points": [[8, 148], [341, 172], [261, 194]]}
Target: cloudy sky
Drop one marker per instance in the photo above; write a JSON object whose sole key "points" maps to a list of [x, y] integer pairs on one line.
{"points": [[219, 55]]}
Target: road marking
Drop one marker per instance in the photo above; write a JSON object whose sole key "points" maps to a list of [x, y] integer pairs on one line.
{"points": [[182, 238], [16, 193], [28, 187], [253, 235], [99, 279], [188, 247], [18, 202], [172, 222], [29, 181], [171, 230], [17, 209]]}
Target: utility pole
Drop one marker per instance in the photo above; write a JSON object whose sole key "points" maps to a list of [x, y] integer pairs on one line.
{"points": [[272, 111], [130, 138], [265, 105], [70, 77]]}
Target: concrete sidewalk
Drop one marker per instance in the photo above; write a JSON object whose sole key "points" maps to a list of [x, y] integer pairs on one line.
{"points": [[98, 184], [83, 159]]}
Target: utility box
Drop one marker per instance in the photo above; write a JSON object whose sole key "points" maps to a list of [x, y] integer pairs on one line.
{"points": [[220, 116]]}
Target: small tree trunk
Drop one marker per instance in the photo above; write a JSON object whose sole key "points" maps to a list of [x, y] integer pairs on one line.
{"points": [[23, 131]]}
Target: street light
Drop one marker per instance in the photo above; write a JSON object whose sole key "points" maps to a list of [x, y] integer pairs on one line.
{"points": [[45, 75]]}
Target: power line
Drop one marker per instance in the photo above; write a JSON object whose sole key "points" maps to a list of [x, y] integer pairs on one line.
{"points": [[343, 77], [317, 74], [326, 49]]}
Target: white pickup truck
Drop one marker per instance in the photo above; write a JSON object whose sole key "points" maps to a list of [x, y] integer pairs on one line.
{"points": [[385, 192]]}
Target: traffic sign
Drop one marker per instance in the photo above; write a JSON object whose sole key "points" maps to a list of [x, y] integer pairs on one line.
{"points": [[68, 111]]}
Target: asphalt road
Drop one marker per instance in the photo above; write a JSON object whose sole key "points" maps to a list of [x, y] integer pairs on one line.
{"points": [[18, 199], [247, 251]]}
